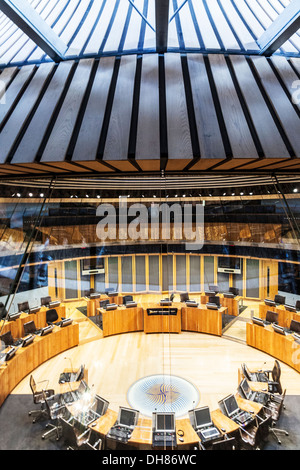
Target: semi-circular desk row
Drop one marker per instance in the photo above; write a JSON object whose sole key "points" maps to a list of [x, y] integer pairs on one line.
{"points": [[187, 438], [285, 348], [198, 319], [28, 358], [284, 316]]}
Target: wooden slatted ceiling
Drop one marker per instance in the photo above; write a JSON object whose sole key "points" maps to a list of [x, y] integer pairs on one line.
{"points": [[148, 113], [96, 27]]}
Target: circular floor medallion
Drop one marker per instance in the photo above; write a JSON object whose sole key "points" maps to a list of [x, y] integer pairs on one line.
{"points": [[163, 393]]}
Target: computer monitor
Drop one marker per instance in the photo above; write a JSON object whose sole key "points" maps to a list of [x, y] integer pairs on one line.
{"points": [[279, 299], [245, 388], [65, 322], [14, 316], [295, 326], [214, 299], [165, 422], [202, 417], [234, 290], [10, 354], [127, 417], [258, 321], [271, 317], [279, 329], [231, 405], [269, 302], [26, 341], [290, 308], [101, 405], [29, 328], [7, 338]]}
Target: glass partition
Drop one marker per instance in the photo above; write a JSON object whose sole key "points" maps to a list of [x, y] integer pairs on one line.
{"points": [[68, 243]]}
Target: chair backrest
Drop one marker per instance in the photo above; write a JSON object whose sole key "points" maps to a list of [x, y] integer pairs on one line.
{"points": [[127, 298], [80, 373], [51, 315], [23, 306], [214, 288], [297, 305], [32, 384], [45, 300], [214, 299], [276, 373], [68, 432], [7, 338], [184, 297]]}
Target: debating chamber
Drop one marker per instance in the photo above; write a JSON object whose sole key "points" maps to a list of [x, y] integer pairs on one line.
{"points": [[149, 227]]}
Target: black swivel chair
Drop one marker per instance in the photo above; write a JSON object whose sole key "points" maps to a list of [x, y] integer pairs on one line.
{"points": [[23, 307], [297, 305], [257, 376], [45, 301], [274, 386], [184, 297], [127, 299], [51, 316], [213, 302]]}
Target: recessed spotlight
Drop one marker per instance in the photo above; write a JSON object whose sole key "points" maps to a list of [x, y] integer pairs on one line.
{"points": [[42, 195], [18, 195], [242, 194], [295, 190], [30, 194]]}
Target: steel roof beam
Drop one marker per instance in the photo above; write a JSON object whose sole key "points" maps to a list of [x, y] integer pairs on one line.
{"points": [[31, 23]]}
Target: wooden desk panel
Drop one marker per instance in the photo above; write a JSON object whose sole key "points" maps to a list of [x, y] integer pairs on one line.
{"points": [[122, 320], [283, 348], [231, 304], [28, 358], [202, 320], [162, 323]]}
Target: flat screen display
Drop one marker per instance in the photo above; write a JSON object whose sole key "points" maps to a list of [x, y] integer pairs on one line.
{"points": [[228, 262], [231, 405], [127, 417], [165, 422], [202, 417]]}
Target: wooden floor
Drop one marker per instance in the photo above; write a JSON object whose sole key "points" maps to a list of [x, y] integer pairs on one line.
{"points": [[210, 363]]}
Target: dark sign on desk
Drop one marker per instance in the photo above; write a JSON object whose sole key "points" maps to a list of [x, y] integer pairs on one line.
{"points": [[162, 311]]}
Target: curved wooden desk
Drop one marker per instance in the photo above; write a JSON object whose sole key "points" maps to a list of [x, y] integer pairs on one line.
{"points": [[39, 318], [283, 347], [28, 358], [198, 319], [232, 304], [141, 437], [284, 315]]}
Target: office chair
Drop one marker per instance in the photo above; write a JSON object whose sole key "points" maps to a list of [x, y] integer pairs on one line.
{"points": [[23, 307], [234, 290], [51, 316], [184, 297], [127, 299], [70, 434], [45, 301], [250, 436], [297, 305], [93, 442], [39, 397], [274, 409], [55, 411], [274, 386]]}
